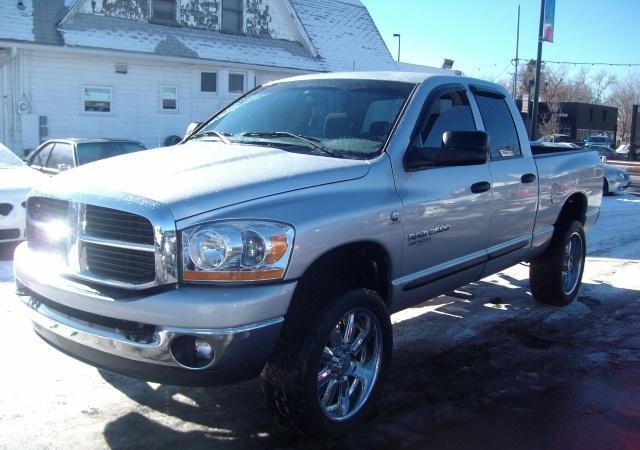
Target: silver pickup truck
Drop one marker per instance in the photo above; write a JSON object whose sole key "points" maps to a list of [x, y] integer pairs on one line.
{"points": [[280, 235]]}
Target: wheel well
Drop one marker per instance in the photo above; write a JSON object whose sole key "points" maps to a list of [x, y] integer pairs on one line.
{"points": [[355, 265], [361, 264], [574, 208]]}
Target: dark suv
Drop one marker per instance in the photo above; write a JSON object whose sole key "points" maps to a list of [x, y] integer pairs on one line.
{"points": [[57, 155]]}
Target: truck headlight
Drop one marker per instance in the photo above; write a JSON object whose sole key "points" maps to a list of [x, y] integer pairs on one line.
{"points": [[236, 251]]}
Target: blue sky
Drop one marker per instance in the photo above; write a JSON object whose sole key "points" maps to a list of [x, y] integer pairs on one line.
{"points": [[479, 33]]}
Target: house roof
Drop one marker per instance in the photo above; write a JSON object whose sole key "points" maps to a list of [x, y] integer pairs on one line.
{"points": [[341, 31]]}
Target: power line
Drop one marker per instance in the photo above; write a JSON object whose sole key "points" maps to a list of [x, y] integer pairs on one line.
{"points": [[501, 73], [575, 63], [583, 63], [491, 65]]}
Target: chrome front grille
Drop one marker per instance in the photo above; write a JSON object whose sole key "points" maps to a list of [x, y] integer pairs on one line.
{"points": [[110, 223], [123, 264], [106, 245]]}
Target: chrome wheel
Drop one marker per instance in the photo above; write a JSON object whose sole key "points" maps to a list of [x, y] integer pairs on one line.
{"points": [[572, 263], [349, 364]]}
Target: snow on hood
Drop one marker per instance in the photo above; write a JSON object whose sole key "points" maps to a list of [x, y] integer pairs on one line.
{"points": [[202, 175]]}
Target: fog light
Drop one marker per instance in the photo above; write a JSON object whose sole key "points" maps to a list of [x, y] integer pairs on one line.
{"points": [[192, 352], [203, 349]]}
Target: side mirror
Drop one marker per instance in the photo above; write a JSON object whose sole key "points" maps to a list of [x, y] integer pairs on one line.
{"points": [[459, 148], [192, 126]]}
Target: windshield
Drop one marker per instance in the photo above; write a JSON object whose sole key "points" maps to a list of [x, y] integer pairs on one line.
{"points": [[598, 140], [93, 151], [9, 159], [343, 118]]}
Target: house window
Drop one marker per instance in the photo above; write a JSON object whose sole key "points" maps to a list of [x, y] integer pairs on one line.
{"points": [[168, 98], [208, 82], [97, 98], [164, 12], [232, 16], [236, 83]]}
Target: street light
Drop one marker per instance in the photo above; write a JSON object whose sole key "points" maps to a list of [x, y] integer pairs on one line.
{"points": [[398, 36]]}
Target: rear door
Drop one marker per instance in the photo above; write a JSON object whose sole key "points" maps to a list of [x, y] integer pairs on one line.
{"points": [[446, 223], [513, 180]]}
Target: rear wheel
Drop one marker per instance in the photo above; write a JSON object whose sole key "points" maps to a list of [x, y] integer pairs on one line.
{"points": [[331, 383], [555, 276]]}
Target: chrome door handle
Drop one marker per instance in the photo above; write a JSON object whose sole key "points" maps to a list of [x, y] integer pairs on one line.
{"points": [[528, 178], [482, 186]]}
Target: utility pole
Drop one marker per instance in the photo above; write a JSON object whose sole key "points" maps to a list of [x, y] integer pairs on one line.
{"points": [[517, 60], [536, 95]]}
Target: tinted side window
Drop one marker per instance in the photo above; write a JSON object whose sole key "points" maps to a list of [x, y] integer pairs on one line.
{"points": [[40, 158], [61, 154], [451, 112], [498, 123]]}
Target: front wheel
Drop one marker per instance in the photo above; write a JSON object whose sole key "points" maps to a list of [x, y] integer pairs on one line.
{"points": [[331, 383], [555, 276]]}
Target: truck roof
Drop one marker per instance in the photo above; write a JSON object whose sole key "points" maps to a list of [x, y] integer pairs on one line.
{"points": [[407, 77]]}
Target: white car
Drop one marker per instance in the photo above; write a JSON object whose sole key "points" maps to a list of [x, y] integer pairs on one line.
{"points": [[16, 181], [615, 179]]}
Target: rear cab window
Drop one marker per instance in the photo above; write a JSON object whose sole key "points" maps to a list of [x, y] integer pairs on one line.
{"points": [[498, 123]]}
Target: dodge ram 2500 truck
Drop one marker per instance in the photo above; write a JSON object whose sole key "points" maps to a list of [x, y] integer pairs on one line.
{"points": [[280, 235]]}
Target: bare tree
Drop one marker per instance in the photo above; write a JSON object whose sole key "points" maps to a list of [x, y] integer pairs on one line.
{"points": [[624, 95], [602, 82]]}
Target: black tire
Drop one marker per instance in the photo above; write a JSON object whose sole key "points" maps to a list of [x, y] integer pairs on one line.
{"points": [[605, 187], [290, 380], [556, 274]]}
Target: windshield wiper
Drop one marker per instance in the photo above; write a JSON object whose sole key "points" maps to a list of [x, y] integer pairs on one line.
{"points": [[217, 134], [313, 142]]}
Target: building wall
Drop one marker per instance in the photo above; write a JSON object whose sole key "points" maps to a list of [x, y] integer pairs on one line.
{"points": [[52, 84]]}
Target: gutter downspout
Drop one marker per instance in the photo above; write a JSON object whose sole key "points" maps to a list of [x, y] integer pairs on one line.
{"points": [[13, 51]]}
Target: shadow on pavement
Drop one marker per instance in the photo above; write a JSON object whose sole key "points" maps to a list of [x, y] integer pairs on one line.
{"points": [[481, 357]]}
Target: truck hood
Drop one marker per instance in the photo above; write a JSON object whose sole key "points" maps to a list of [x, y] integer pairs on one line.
{"points": [[201, 176]]}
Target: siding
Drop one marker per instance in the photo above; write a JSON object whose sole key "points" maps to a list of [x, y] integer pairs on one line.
{"points": [[54, 82]]}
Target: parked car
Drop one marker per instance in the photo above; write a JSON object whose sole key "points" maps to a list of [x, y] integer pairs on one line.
{"points": [[623, 152], [615, 179], [16, 181], [604, 141], [607, 153], [57, 155], [279, 236]]}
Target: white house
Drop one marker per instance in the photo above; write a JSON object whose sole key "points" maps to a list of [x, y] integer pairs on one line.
{"points": [[144, 69]]}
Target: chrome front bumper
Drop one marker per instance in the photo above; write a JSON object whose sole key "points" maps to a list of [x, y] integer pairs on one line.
{"points": [[155, 349], [241, 324]]}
